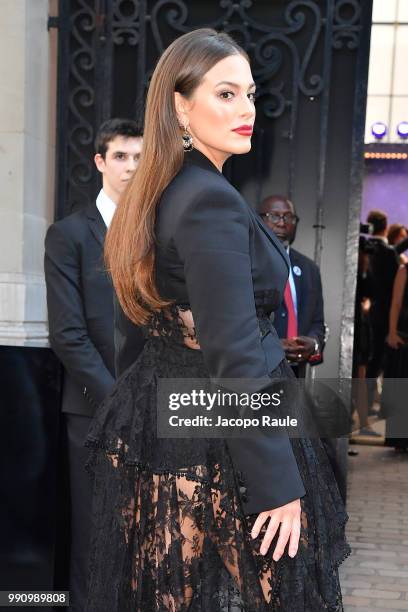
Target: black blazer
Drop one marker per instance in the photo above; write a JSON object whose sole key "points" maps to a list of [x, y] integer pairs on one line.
{"points": [[383, 266], [80, 309], [309, 296], [215, 254], [128, 339]]}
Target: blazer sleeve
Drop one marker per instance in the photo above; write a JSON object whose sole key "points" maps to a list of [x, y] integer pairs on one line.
{"points": [[68, 333], [212, 239], [128, 339]]}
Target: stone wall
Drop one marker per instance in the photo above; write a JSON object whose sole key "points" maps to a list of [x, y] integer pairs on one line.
{"points": [[28, 58]]}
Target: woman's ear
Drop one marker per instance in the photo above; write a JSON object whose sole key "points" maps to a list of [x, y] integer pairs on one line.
{"points": [[180, 105]]}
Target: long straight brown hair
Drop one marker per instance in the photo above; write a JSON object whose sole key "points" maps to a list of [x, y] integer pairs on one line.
{"points": [[130, 241]]}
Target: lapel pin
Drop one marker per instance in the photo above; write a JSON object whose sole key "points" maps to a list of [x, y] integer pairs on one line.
{"points": [[297, 271]]}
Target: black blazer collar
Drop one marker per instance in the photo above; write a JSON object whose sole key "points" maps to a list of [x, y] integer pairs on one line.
{"points": [[196, 158], [96, 223]]}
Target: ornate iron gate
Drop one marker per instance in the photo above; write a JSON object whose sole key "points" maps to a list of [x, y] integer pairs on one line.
{"points": [[108, 49]]}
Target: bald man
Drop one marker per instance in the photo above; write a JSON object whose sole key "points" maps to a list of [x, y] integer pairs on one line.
{"points": [[300, 319]]}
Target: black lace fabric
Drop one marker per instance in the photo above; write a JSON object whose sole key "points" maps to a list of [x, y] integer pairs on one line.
{"points": [[169, 530]]}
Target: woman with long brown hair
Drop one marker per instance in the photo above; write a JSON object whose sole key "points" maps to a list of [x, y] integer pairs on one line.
{"points": [[203, 524]]}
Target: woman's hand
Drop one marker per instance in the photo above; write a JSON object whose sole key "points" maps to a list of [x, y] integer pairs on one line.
{"points": [[393, 340], [288, 517]]}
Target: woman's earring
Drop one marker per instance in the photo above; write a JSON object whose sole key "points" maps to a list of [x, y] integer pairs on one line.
{"points": [[187, 140]]}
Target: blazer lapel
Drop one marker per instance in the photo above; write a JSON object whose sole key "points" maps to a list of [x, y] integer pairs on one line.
{"points": [[96, 223]]}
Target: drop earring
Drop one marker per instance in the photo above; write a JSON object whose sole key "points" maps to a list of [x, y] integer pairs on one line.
{"points": [[187, 140]]}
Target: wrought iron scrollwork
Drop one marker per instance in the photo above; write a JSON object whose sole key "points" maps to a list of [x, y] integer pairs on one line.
{"points": [[81, 98], [289, 50], [269, 45], [175, 14], [347, 26], [125, 22], [296, 19]]}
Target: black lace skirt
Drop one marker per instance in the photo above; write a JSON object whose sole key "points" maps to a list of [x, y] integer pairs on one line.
{"points": [[169, 531]]}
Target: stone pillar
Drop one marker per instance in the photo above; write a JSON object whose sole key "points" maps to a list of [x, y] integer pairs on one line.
{"points": [[28, 59]]}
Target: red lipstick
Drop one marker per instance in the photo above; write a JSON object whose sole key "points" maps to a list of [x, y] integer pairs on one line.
{"points": [[244, 130]]}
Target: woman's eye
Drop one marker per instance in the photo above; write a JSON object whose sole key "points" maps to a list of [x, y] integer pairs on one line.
{"points": [[226, 95]]}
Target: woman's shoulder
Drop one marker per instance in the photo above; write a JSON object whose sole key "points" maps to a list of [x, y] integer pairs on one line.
{"points": [[198, 187], [201, 201]]}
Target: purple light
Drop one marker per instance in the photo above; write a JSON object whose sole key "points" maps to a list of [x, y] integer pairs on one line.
{"points": [[378, 130], [402, 129]]}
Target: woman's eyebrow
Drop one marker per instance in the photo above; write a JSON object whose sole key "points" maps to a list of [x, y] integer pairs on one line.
{"points": [[234, 84]]}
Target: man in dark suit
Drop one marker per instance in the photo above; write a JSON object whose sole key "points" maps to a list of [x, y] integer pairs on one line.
{"points": [[300, 319], [80, 314], [382, 268]]}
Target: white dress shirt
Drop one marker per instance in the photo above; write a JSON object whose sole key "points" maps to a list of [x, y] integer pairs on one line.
{"points": [[292, 285], [106, 207]]}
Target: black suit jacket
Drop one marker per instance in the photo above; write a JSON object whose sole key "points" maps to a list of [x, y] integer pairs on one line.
{"points": [[309, 296], [215, 254], [383, 266], [128, 339], [80, 309]]}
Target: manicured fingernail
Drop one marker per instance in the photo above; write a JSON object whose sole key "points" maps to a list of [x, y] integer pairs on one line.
{"points": [[254, 534], [292, 553], [263, 550]]}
